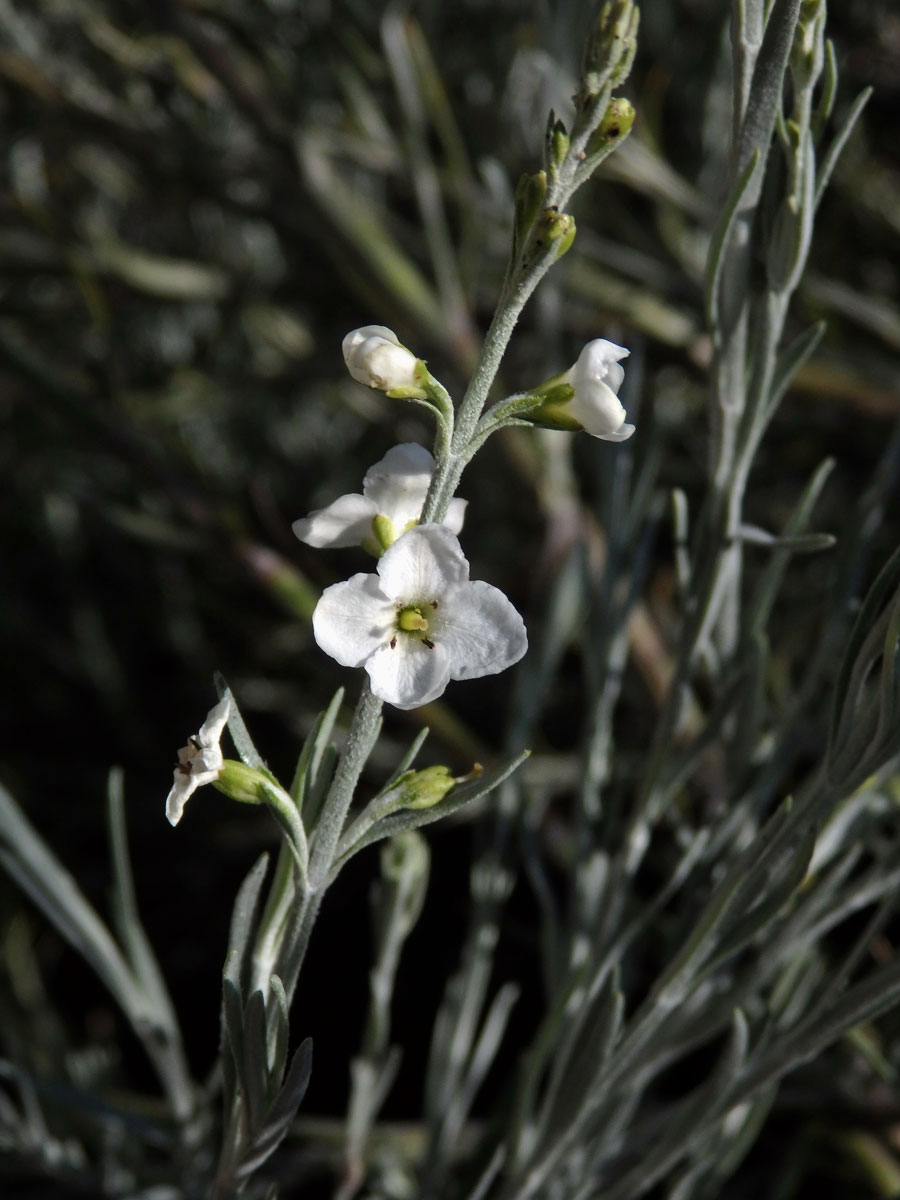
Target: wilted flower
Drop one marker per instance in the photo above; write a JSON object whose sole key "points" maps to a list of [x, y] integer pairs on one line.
{"points": [[419, 622], [199, 762], [374, 356], [393, 493]]}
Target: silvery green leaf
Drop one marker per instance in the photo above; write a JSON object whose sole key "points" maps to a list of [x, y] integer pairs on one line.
{"points": [[833, 152], [233, 1014], [408, 818], [315, 766], [778, 892], [143, 961], [791, 360], [278, 1029], [281, 1114], [244, 917], [255, 1060], [34, 867], [769, 584], [855, 663], [718, 247], [408, 758], [683, 1126], [585, 1053], [243, 743]]}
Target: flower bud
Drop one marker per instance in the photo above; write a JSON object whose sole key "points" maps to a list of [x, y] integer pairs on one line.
{"points": [[374, 356], [242, 783], [425, 788], [615, 126], [559, 229], [531, 192], [556, 145], [611, 46], [584, 397]]}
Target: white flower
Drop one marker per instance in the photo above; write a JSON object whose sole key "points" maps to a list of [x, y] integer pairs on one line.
{"points": [[419, 622], [374, 356], [393, 494], [199, 762], [596, 378]]}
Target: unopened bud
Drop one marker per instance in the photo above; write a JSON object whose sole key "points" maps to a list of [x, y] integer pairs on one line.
{"points": [[425, 788], [610, 48], [556, 145], [242, 783], [615, 126], [375, 357], [531, 193], [559, 228]]}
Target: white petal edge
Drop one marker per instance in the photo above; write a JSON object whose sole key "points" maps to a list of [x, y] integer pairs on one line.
{"points": [[353, 619], [347, 521], [422, 564], [456, 515], [216, 720], [596, 358], [620, 435], [481, 631], [410, 674], [182, 790]]}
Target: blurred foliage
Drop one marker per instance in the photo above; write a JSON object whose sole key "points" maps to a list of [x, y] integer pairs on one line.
{"points": [[197, 200]]}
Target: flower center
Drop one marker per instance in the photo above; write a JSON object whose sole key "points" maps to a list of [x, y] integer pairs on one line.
{"points": [[412, 619]]}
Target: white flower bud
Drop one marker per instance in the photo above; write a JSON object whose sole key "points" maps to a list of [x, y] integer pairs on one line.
{"points": [[374, 356], [595, 378]]}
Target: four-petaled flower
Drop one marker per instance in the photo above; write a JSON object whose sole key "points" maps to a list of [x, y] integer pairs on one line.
{"points": [[375, 357], [419, 622], [595, 379], [199, 762], [392, 497]]}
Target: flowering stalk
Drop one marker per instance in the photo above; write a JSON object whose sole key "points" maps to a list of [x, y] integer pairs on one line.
{"points": [[543, 231]]}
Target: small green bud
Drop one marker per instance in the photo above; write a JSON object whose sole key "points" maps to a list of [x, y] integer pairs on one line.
{"points": [[614, 128], [242, 783], [531, 192], [559, 228], [425, 788], [808, 49], [610, 49], [556, 146]]}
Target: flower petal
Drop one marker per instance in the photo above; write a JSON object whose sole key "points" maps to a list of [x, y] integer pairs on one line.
{"points": [[480, 630], [410, 674], [216, 720], [597, 358], [397, 485], [422, 564], [182, 790], [456, 514], [619, 435], [347, 521], [597, 408], [353, 619]]}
